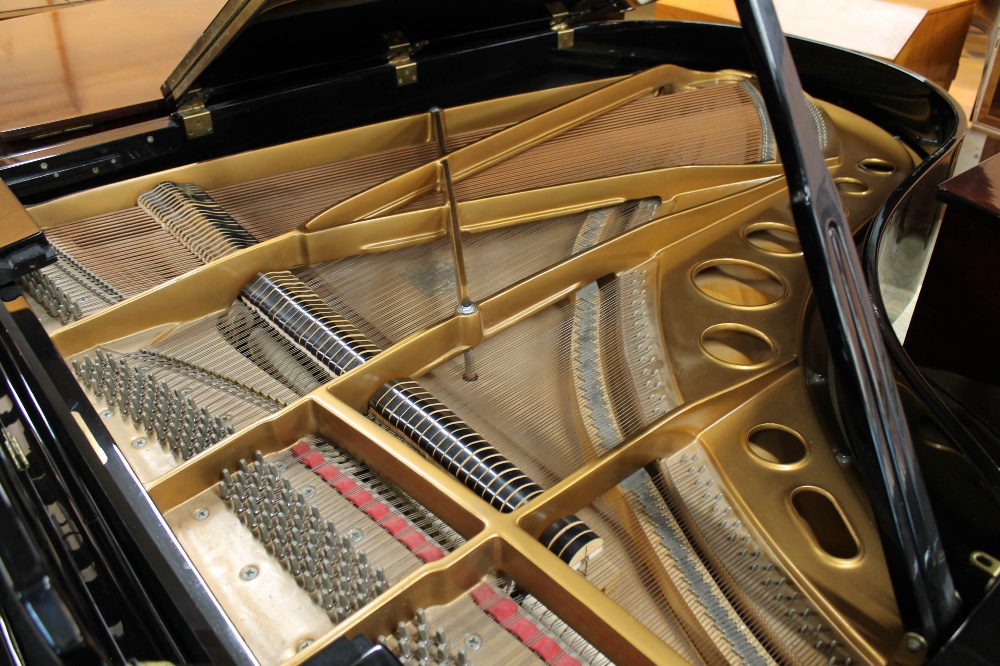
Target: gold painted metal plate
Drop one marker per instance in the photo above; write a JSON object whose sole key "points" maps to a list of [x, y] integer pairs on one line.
{"points": [[719, 266]]}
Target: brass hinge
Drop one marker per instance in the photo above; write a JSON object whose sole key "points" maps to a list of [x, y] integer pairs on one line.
{"points": [[399, 54], [560, 24], [988, 564], [197, 118], [15, 451]]}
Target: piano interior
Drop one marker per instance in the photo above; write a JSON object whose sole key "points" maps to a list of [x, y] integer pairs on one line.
{"points": [[526, 380]]}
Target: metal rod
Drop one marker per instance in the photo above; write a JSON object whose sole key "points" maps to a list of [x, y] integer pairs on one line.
{"points": [[870, 407], [465, 304], [437, 116], [455, 231]]}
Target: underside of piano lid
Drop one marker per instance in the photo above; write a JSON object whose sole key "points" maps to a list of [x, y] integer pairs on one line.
{"points": [[528, 380]]}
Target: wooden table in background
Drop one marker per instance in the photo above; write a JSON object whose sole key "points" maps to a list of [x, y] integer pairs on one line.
{"points": [[89, 62], [931, 49]]}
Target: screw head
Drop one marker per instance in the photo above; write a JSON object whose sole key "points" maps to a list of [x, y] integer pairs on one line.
{"points": [[843, 457], [249, 572], [139, 442], [201, 514], [473, 641], [281, 467], [44, 166], [107, 414], [150, 139], [308, 492], [356, 535], [304, 644]]}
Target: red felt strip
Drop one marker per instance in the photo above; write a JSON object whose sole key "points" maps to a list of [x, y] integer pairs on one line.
{"points": [[411, 539], [508, 614], [523, 628], [360, 497], [394, 525], [483, 593], [328, 472], [430, 553], [377, 511], [313, 460], [502, 609], [549, 650]]}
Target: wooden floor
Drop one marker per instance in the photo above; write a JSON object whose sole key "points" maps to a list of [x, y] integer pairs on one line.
{"points": [[12, 8]]}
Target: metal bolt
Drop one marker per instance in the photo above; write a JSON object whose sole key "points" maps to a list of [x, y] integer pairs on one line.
{"points": [[201, 514], [304, 644], [138, 442], [107, 414], [473, 641], [249, 572]]}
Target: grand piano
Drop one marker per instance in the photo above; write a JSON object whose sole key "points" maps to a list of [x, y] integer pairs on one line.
{"points": [[424, 334]]}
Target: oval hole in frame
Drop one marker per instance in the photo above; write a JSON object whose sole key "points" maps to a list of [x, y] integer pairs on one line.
{"points": [[737, 345], [826, 523], [737, 282], [776, 444]]}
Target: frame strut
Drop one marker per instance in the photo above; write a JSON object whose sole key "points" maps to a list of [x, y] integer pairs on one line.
{"points": [[465, 304]]}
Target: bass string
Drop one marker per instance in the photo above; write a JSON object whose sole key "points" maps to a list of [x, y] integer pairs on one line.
{"points": [[127, 249]]}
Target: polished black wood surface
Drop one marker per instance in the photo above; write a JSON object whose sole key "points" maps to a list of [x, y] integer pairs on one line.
{"points": [[955, 323]]}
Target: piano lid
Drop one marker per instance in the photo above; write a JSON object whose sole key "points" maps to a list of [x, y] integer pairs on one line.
{"points": [[257, 39]]}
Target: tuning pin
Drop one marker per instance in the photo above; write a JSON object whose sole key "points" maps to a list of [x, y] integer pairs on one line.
{"points": [[381, 583], [441, 645], [267, 527], [328, 570], [423, 656], [402, 633], [308, 576], [461, 659]]}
